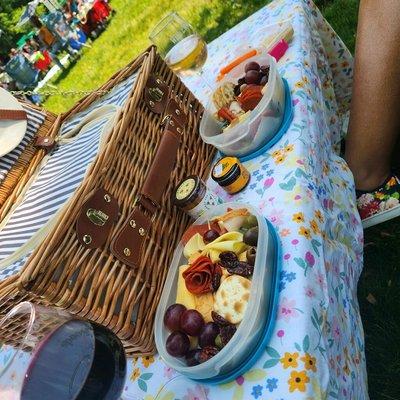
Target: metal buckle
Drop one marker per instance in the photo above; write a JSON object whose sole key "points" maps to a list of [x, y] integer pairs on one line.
{"points": [[97, 217], [156, 94], [166, 119], [138, 200]]}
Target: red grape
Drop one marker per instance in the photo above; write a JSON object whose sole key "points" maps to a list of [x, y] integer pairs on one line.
{"points": [[252, 66], [192, 357], [253, 77], [208, 334], [172, 316], [191, 322], [210, 235], [177, 344]]}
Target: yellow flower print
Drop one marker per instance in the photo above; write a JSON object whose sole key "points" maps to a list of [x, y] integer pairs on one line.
{"points": [[327, 84], [314, 226], [318, 215], [288, 148], [305, 232], [325, 169], [309, 362], [280, 159], [298, 217], [346, 369], [290, 360], [135, 374], [379, 195], [345, 64], [305, 80], [298, 381], [276, 153], [299, 85], [147, 361]]}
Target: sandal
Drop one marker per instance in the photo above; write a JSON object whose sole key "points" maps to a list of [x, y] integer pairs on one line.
{"points": [[381, 204]]}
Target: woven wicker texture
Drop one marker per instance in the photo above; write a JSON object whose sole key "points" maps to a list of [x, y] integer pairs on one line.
{"points": [[93, 283], [25, 166]]}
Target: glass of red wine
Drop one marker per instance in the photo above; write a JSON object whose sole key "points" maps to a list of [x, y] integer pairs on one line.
{"points": [[53, 355]]}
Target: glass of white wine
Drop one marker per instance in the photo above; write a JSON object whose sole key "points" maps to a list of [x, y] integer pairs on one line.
{"points": [[182, 48]]}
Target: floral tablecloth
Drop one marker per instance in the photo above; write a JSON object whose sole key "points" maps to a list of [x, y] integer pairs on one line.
{"points": [[306, 190]]}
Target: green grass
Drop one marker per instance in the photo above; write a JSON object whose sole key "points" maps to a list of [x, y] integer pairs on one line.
{"points": [[126, 36]]}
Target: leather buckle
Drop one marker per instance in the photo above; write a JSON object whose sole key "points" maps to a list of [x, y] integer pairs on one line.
{"points": [[45, 143], [96, 219], [156, 94]]}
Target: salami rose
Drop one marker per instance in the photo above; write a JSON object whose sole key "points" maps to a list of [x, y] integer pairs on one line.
{"points": [[199, 276]]}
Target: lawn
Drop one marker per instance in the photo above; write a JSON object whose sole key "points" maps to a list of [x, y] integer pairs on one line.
{"points": [[126, 36]]}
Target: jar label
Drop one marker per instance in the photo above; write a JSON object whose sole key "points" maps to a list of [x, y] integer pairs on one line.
{"points": [[209, 200]]}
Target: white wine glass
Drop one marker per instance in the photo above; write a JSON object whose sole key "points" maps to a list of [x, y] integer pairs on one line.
{"points": [[182, 48]]}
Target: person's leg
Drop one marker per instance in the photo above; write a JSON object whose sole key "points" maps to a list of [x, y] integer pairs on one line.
{"points": [[375, 110]]}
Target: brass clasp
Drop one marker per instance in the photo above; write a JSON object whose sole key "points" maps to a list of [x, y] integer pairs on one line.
{"points": [[97, 217]]}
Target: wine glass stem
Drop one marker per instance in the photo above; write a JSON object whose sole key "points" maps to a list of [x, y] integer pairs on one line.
{"points": [[201, 75]]}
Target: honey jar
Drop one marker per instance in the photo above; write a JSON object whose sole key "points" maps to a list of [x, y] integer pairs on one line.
{"points": [[230, 174], [192, 195]]}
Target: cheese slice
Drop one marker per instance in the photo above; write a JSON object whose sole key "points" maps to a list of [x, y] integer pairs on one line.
{"points": [[183, 296], [203, 303]]}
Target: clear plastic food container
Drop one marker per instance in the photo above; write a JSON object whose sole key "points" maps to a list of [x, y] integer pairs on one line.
{"points": [[249, 331], [261, 125]]}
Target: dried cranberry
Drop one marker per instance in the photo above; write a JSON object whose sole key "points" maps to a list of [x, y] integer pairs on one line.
{"points": [[226, 333], [242, 268], [228, 259], [221, 321], [207, 352], [264, 70]]}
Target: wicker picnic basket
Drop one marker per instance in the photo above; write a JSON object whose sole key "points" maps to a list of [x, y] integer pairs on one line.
{"points": [[108, 256]]}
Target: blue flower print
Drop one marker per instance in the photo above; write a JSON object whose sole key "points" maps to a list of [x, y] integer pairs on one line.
{"points": [[291, 276], [272, 384], [257, 391], [282, 285], [256, 172], [270, 172]]}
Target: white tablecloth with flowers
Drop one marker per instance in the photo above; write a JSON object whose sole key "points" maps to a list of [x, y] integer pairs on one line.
{"points": [[306, 190]]}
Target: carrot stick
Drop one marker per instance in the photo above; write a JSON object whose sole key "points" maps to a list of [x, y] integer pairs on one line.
{"points": [[237, 61]]}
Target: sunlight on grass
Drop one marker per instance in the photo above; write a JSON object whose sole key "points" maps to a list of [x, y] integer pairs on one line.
{"points": [[127, 35]]}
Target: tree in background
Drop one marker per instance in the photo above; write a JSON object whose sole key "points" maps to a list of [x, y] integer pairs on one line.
{"points": [[10, 13]]}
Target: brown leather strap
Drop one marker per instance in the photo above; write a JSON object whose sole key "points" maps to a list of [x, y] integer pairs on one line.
{"points": [[163, 164], [128, 244], [97, 217], [12, 115]]}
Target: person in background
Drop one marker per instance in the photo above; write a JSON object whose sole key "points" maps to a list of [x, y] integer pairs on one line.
{"points": [[48, 40], [13, 52], [374, 125], [72, 6]]}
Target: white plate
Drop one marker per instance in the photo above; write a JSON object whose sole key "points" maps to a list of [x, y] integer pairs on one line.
{"points": [[11, 132]]}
